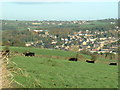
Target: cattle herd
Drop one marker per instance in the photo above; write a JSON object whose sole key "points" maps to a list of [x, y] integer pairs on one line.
{"points": [[91, 61], [7, 52]]}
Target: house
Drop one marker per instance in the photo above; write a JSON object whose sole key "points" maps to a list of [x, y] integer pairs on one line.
{"points": [[84, 43], [103, 50], [36, 23], [27, 44], [46, 33], [37, 31], [84, 46], [53, 42]]}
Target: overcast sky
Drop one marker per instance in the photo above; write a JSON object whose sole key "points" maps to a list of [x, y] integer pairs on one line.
{"points": [[59, 9]]}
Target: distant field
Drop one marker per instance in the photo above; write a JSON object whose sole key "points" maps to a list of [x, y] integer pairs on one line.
{"points": [[39, 51], [32, 72], [51, 52], [23, 25]]}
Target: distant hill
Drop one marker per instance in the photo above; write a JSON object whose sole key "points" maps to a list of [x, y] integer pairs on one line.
{"points": [[104, 24]]}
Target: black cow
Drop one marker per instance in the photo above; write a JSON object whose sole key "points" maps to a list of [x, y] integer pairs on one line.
{"points": [[90, 61], [29, 54], [73, 59], [113, 63]]}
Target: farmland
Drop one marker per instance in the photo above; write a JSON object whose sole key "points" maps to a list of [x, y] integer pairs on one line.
{"points": [[52, 52], [56, 44], [23, 25], [44, 72], [53, 46]]}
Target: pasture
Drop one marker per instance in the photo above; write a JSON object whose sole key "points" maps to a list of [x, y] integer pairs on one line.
{"points": [[40, 51], [53, 52], [35, 72], [49, 72]]}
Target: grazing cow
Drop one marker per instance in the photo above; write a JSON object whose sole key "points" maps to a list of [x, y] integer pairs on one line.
{"points": [[113, 63], [73, 59], [29, 54], [90, 61]]}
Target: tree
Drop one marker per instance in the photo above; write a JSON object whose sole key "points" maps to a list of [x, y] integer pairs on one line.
{"points": [[112, 55], [85, 52], [61, 32], [94, 57], [6, 48], [106, 54]]}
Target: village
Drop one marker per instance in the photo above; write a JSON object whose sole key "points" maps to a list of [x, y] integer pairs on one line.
{"points": [[93, 41], [99, 36]]}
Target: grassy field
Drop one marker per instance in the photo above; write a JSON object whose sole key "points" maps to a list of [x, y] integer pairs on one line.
{"points": [[50, 52], [40, 51], [23, 25], [42, 72]]}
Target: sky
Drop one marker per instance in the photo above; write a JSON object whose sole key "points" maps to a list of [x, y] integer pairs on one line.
{"points": [[58, 9], [59, 0]]}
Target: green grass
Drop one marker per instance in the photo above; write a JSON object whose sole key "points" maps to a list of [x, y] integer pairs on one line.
{"points": [[98, 58], [39, 51], [55, 73], [50, 52]]}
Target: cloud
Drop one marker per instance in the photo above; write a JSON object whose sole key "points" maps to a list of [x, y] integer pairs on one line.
{"points": [[59, 0]]}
